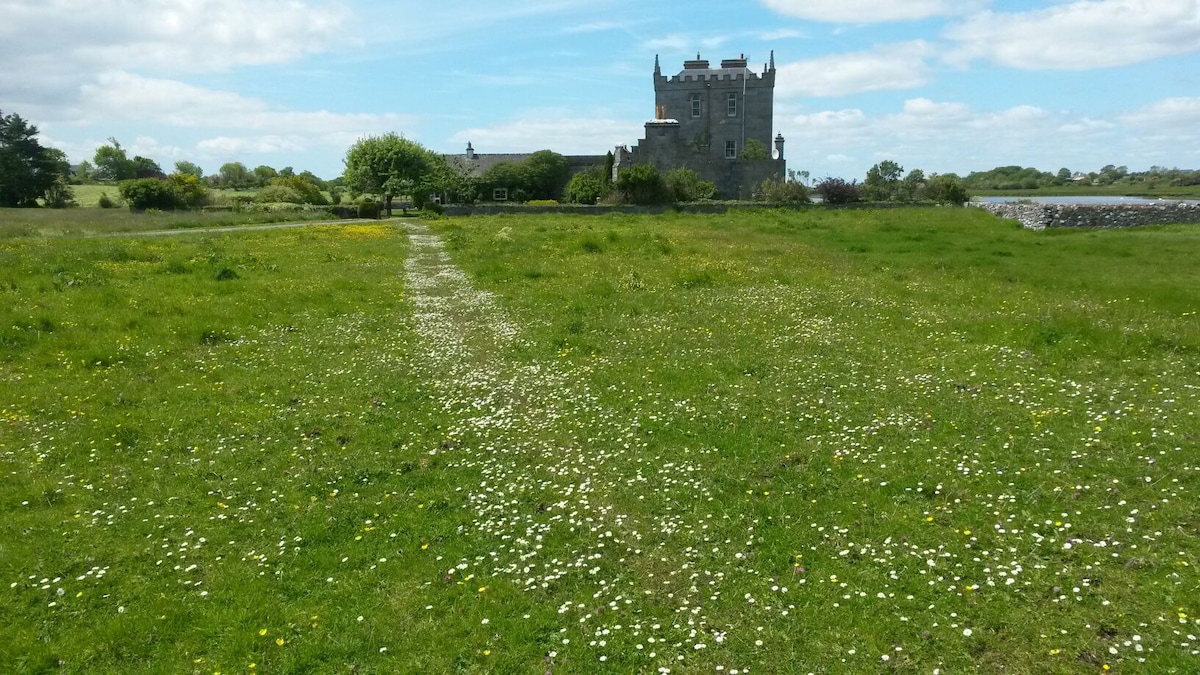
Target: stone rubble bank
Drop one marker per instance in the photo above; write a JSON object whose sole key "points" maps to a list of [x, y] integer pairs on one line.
{"points": [[1042, 216]]}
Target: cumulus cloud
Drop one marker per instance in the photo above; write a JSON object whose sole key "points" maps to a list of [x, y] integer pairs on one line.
{"points": [[869, 11], [197, 36], [942, 136], [1080, 35], [143, 99], [889, 67]]}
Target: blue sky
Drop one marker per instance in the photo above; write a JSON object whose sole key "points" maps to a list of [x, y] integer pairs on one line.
{"points": [[941, 85]]}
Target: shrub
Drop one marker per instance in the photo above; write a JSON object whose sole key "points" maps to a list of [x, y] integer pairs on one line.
{"points": [[686, 185], [585, 188], [542, 202], [839, 191], [755, 149], [946, 189], [368, 208], [277, 193], [151, 193], [191, 190], [107, 202], [642, 184], [306, 192], [778, 190]]}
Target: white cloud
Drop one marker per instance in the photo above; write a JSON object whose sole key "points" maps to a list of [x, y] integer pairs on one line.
{"points": [[197, 35], [951, 136], [133, 98], [1080, 35], [569, 136], [1172, 114], [889, 67], [227, 146], [781, 34], [869, 11]]}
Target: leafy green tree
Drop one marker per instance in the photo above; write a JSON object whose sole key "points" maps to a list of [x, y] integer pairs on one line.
{"points": [[263, 174], [755, 149], [686, 185], [190, 187], [642, 184], [509, 176], [235, 175], [883, 182], [312, 178], [189, 168], [911, 186], [586, 187], [546, 174], [112, 164], [287, 172], [451, 183], [386, 166], [144, 167], [84, 172], [946, 189], [27, 170]]}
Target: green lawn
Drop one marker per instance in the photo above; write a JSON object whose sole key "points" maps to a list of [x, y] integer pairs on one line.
{"points": [[801, 441]]}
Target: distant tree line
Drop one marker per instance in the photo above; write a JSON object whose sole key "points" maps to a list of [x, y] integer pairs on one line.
{"points": [[1029, 178]]}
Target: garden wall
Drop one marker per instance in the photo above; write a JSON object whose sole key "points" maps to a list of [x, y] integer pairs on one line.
{"points": [[1042, 216]]}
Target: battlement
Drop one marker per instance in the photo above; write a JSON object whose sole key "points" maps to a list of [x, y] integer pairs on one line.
{"points": [[730, 70]]}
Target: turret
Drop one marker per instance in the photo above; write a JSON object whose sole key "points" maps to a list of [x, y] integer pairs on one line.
{"points": [[778, 146]]}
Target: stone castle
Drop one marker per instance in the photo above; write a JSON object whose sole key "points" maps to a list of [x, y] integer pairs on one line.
{"points": [[705, 119]]}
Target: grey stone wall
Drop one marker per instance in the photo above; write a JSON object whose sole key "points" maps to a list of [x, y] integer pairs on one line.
{"points": [[1042, 216]]}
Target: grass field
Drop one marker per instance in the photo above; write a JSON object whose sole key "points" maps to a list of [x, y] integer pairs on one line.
{"points": [[50, 223], [811, 441]]}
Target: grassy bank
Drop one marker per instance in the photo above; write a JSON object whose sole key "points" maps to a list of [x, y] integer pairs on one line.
{"points": [[853, 441]]}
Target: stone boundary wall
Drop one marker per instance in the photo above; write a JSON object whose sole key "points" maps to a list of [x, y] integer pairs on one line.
{"points": [[1103, 216]]}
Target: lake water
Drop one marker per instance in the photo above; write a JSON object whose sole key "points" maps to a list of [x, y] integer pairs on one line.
{"points": [[1079, 200]]}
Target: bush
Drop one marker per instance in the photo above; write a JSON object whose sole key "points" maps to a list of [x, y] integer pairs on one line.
{"points": [[151, 193], [642, 184], [777, 190], [276, 193], [369, 208], [585, 188], [191, 190], [306, 192], [755, 150], [839, 191], [686, 185], [107, 202], [946, 189], [542, 202]]}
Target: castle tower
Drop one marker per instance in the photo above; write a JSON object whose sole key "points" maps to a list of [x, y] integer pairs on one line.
{"points": [[719, 109], [704, 117]]}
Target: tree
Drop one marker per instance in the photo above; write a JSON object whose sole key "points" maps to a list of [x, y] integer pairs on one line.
{"points": [[642, 184], [83, 172], [586, 187], [450, 182], [112, 163], [263, 174], [151, 193], [507, 176], [190, 188], [546, 173], [386, 166], [144, 167], [312, 178], [911, 186], [189, 168], [235, 175], [838, 191], [28, 171], [883, 182], [946, 189], [755, 149]]}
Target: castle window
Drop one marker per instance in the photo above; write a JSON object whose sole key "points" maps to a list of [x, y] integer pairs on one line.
{"points": [[695, 105], [730, 149], [499, 194], [731, 105]]}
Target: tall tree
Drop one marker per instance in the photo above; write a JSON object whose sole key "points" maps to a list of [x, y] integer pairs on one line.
{"points": [[112, 163], [189, 168], [28, 171], [386, 166], [235, 175]]}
